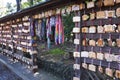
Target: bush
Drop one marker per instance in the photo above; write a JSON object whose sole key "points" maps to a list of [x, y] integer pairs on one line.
{"points": [[56, 51]]}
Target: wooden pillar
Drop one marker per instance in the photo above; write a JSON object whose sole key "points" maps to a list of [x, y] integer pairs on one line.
{"points": [[18, 5], [33, 52], [77, 42], [12, 33], [2, 37]]}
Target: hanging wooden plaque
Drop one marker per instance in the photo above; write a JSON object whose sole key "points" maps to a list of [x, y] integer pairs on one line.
{"points": [[109, 72], [76, 41], [76, 54], [91, 4], [76, 30], [92, 67], [108, 2]]}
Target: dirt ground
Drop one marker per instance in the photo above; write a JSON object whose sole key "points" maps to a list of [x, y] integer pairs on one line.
{"points": [[66, 57]]}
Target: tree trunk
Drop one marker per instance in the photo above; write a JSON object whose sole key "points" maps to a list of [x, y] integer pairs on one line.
{"points": [[18, 5]]}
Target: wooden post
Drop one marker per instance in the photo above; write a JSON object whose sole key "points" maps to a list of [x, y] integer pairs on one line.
{"points": [[33, 52], [12, 33], [18, 5], [77, 42]]}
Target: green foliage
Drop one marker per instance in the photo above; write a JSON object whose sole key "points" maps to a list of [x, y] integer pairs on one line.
{"points": [[25, 5], [37, 1], [56, 51], [30, 3], [42, 46], [10, 8], [68, 25]]}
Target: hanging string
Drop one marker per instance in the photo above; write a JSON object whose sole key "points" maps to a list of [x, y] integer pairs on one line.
{"points": [[92, 48], [84, 60], [100, 63], [100, 50], [100, 22], [110, 37], [92, 61], [119, 66], [109, 65], [100, 36], [110, 51]]}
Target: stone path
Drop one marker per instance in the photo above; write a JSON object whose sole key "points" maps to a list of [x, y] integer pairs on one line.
{"points": [[6, 74], [24, 72]]}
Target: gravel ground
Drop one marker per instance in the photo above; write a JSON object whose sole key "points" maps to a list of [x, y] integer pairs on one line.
{"points": [[6, 74]]}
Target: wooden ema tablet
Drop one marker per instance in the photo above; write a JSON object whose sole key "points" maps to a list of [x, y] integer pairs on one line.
{"points": [[84, 42], [92, 42], [76, 41], [76, 30], [82, 6], [92, 55], [76, 66], [90, 4], [100, 56], [100, 42], [110, 13], [118, 42], [117, 58], [100, 15], [58, 11], [117, 73], [76, 54], [108, 2], [109, 28], [92, 67], [92, 29], [43, 15], [84, 29], [84, 65], [118, 12], [76, 78], [109, 57], [85, 17], [76, 19], [46, 14], [92, 16], [109, 72], [69, 9], [84, 54], [100, 69], [118, 28], [99, 3], [63, 11], [100, 29], [75, 7], [117, 1]]}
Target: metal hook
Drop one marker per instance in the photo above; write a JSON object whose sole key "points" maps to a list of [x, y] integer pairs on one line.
{"points": [[84, 60]]}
